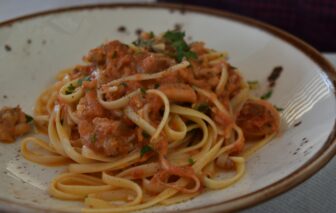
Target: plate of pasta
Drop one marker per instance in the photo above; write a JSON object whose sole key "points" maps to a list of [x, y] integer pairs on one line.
{"points": [[157, 108]]}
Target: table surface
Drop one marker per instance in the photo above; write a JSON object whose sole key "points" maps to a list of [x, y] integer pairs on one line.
{"points": [[317, 194]]}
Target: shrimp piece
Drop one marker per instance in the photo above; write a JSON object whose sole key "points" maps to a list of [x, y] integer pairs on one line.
{"points": [[258, 118], [179, 92], [112, 137], [13, 123], [89, 107], [156, 63]]}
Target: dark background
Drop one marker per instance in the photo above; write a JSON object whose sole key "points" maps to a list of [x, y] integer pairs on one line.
{"points": [[314, 21]]}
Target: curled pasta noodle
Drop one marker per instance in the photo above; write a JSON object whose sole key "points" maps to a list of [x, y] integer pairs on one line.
{"points": [[70, 96], [176, 134], [139, 121], [46, 159], [220, 184], [165, 114], [222, 81], [116, 104], [151, 76]]}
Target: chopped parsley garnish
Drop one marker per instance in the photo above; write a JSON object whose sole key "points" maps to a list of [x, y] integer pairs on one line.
{"points": [[70, 89], [191, 161], [29, 118], [124, 84], [177, 41], [93, 138], [278, 108], [143, 91], [145, 149], [190, 54], [202, 107], [253, 84], [157, 85], [145, 135], [174, 36], [267, 95], [151, 34], [86, 78]]}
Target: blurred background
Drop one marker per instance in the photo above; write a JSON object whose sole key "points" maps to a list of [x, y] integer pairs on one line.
{"points": [[314, 21]]}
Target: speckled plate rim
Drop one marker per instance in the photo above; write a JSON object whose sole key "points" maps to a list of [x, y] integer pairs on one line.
{"points": [[320, 159]]}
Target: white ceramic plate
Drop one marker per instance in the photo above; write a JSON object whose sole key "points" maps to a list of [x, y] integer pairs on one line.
{"points": [[42, 44]]}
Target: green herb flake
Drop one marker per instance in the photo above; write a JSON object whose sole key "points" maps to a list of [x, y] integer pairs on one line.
{"points": [[145, 135], [202, 107], [151, 34], [191, 161], [267, 95], [145, 149], [176, 38], [70, 89], [143, 91], [93, 138], [80, 81], [157, 85], [190, 55], [253, 84], [279, 109], [29, 118]]}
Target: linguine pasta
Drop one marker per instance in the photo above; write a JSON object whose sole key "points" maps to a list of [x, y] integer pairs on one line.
{"points": [[152, 123]]}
